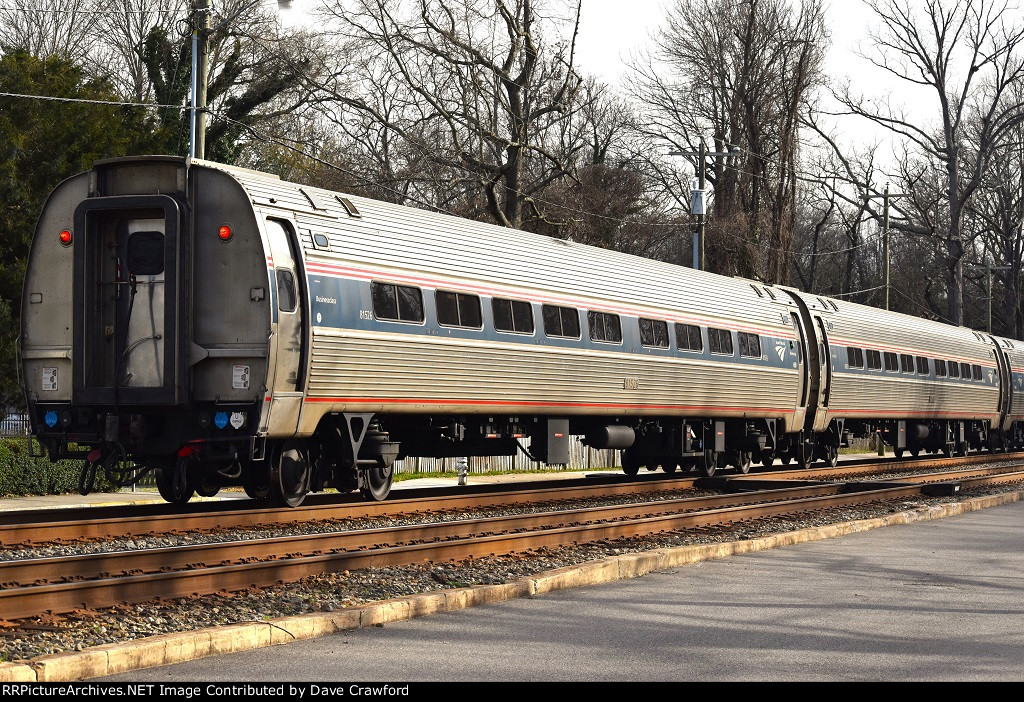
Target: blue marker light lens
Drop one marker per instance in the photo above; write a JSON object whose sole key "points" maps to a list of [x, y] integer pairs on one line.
{"points": [[220, 419], [51, 419]]}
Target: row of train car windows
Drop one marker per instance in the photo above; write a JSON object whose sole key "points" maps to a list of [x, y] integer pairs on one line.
{"points": [[906, 363], [404, 303]]}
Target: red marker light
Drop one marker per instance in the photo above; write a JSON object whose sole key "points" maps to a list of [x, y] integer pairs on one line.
{"points": [[224, 233], [65, 237]]}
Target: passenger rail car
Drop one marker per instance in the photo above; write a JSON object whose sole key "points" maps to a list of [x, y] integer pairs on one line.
{"points": [[221, 326]]}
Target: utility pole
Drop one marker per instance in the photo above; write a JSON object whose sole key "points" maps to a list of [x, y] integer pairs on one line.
{"points": [[698, 204], [201, 33], [200, 77], [988, 267], [886, 197]]}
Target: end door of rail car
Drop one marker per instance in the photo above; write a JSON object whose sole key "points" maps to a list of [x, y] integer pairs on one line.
{"points": [[290, 341], [816, 368], [126, 321]]}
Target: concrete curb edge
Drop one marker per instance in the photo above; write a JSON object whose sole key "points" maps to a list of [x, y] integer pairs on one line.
{"points": [[178, 647]]}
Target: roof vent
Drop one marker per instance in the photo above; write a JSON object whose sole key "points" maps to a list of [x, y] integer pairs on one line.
{"points": [[352, 210]]}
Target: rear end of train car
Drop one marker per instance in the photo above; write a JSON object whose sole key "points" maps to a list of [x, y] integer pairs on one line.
{"points": [[147, 326]]}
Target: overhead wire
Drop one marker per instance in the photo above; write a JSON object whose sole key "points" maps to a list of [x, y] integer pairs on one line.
{"points": [[406, 196], [265, 137]]}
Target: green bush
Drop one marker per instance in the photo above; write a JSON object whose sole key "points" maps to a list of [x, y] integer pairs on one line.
{"points": [[22, 474]]}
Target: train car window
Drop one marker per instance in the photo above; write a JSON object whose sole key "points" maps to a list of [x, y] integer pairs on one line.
{"points": [[654, 332], [922, 365], [561, 321], [286, 299], [954, 369], [458, 309], [907, 363], [512, 316], [604, 326], [891, 362], [146, 253], [688, 338], [940, 368], [977, 371], [874, 360], [854, 357], [397, 303], [720, 341], [750, 345], [965, 371]]}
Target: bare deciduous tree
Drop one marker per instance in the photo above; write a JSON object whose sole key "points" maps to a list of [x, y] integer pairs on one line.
{"points": [[476, 90], [968, 55], [123, 26], [51, 27], [739, 75]]}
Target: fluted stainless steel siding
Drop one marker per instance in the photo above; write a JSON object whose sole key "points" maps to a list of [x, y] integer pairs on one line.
{"points": [[882, 394], [358, 371]]}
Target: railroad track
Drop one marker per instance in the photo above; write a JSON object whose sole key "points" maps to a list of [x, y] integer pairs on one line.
{"points": [[37, 586], [74, 524]]}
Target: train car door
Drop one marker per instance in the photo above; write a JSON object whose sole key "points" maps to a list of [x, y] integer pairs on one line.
{"points": [[805, 381], [825, 375], [127, 313], [289, 341]]}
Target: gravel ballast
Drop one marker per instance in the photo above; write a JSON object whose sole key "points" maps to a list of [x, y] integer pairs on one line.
{"points": [[332, 592]]}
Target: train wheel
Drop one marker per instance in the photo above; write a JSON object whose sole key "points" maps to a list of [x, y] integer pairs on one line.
{"points": [[804, 454], [172, 483], [255, 480], [786, 457], [652, 465], [767, 457], [709, 465], [630, 463], [915, 452], [200, 481], [831, 456], [377, 483], [289, 475], [898, 453], [743, 461], [669, 465]]}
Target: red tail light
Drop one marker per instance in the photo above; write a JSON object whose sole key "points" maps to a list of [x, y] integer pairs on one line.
{"points": [[224, 233], [65, 237]]}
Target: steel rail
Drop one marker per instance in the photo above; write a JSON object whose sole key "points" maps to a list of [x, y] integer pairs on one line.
{"points": [[93, 565], [112, 526], [42, 526], [19, 602]]}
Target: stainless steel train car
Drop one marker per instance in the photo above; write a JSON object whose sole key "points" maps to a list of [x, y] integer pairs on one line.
{"points": [[221, 326]]}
